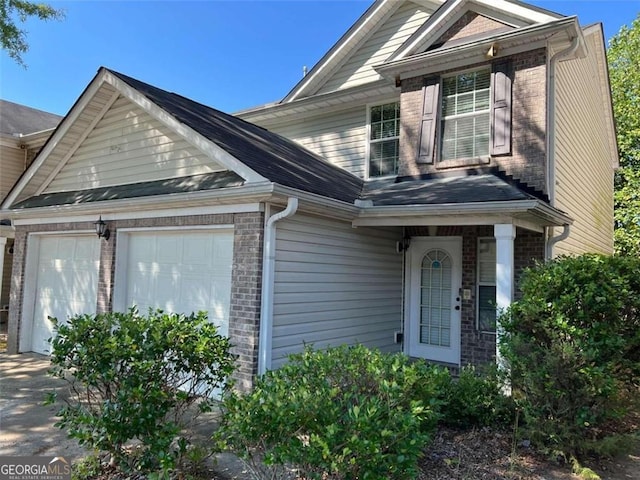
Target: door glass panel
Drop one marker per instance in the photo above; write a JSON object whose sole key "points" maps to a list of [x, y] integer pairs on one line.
{"points": [[435, 299]]}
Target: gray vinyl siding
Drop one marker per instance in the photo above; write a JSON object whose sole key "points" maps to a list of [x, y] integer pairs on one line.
{"points": [[127, 146], [584, 172], [13, 164], [341, 137], [335, 285], [358, 69]]}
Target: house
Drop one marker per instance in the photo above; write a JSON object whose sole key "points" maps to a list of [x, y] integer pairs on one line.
{"points": [[391, 198], [23, 130]]}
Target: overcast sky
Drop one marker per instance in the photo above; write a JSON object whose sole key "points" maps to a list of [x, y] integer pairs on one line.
{"points": [[230, 55]]}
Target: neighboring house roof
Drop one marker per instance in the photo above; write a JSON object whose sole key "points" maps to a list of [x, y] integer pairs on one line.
{"points": [[274, 157], [18, 119]]}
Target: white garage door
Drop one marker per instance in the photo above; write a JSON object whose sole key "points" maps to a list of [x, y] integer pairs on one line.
{"points": [[66, 283], [181, 272]]}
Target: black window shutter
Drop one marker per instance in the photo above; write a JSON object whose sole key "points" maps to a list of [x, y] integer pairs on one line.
{"points": [[426, 148], [501, 109]]}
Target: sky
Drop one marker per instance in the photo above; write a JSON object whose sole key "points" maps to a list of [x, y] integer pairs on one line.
{"points": [[230, 55]]}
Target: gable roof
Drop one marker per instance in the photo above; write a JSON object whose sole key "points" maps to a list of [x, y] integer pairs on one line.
{"points": [[16, 119], [353, 39], [508, 12], [252, 152], [445, 13]]}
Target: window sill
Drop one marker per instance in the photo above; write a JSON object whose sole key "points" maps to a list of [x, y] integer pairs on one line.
{"points": [[462, 162]]}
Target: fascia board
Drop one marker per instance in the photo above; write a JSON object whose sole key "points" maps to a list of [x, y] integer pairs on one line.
{"points": [[510, 43], [57, 135], [536, 208], [208, 147], [326, 102]]}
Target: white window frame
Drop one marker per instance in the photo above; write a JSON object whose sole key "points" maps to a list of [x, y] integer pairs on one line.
{"points": [[480, 283], [370, 106], [441, 117]]}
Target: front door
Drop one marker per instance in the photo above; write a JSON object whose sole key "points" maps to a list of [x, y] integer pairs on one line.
{"points": [[434, 280]]}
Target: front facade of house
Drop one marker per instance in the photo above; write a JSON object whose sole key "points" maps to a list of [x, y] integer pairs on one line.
{"points": [[391, 198]]}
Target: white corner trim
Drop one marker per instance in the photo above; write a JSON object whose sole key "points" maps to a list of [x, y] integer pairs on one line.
{"points": [[206, 146]]}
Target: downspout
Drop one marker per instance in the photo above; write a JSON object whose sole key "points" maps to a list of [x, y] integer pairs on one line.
{"points": [[551, 139], [553, 240], [551, 116], [268, 274]]}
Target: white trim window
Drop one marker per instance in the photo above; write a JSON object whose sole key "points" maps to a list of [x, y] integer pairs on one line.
{"points": [[465, 124], [486, 285], [384, 139]]}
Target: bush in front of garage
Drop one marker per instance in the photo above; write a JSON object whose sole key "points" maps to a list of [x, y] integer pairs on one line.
{"points": [[138, 381]]}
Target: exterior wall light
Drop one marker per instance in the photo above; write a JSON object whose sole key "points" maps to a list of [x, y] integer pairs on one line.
{"points": [[101, 229]]}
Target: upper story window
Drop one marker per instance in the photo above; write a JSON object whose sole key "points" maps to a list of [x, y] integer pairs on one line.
{"points": [[384, 136], [466, 116]]}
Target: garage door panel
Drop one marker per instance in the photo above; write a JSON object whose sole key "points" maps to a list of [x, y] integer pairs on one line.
{"points": [[65, 284], [181, 272]]}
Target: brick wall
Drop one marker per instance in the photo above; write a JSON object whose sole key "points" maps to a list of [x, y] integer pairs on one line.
{"points": [[527, 161], [244, 317], [469, 24]]}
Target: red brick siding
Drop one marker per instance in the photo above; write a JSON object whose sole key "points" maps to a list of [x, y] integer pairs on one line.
{"points": [[469, 24]]}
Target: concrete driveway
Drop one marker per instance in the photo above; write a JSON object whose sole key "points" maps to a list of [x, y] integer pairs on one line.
{"points": [[26, 425]]}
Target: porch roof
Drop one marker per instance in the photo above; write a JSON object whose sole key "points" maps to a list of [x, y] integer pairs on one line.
{"points": [[439, 189]]}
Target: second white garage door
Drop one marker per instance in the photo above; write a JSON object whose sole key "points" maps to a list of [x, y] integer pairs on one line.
{"points": [[180, 272]]}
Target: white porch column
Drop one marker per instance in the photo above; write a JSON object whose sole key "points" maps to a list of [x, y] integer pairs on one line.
{"points": [[504, 234]]}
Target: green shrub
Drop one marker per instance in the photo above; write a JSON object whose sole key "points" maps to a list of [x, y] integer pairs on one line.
{"points": [[573, 346], [477, 399], [343, 413], [138, 378]]}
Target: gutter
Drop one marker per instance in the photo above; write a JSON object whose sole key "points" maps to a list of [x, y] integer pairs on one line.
{"points": [[268, 277], [551, 115]]}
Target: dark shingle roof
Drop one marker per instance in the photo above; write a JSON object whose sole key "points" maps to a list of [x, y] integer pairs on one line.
{"points": [[274, 157], [484, 187], [20, 119], [208, 181]]}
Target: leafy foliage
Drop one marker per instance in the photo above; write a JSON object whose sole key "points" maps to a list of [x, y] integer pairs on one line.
{"points": [[140, 378], [341, 413], [624, 72], [573, 346], [14, 39], [477, 399]]}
